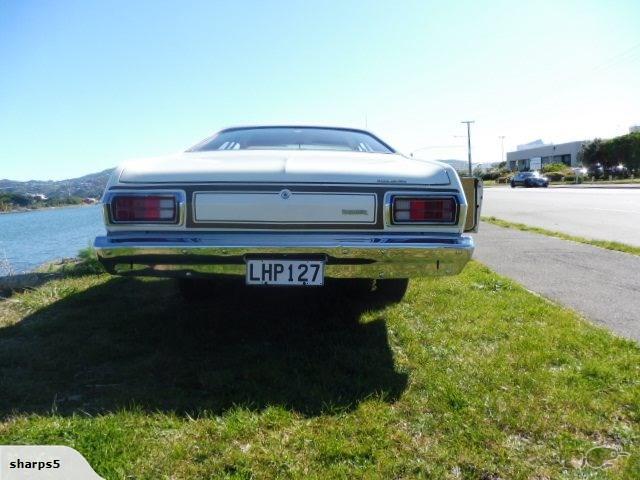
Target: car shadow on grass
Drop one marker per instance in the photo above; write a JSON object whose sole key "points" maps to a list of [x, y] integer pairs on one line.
{"points": [[127, 343]]}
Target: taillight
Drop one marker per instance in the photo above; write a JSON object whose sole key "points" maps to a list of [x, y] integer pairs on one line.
{"points": [[144, 208], [424, 210]]}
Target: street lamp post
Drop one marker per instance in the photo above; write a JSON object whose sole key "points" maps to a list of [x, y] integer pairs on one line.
{"points": [[501, 137], [469, 122]]}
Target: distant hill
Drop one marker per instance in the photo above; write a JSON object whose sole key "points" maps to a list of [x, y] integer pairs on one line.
{"points": [[91, 185], [459, 165]]}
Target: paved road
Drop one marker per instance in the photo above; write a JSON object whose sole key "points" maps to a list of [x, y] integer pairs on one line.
{"points": [[601, 284], [600, 213]]}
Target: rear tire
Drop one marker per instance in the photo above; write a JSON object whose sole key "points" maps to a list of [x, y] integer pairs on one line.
{"points": [[392, 290]]}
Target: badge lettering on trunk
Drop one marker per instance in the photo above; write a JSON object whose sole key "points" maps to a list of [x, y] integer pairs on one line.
{"points": [[354, 212]]}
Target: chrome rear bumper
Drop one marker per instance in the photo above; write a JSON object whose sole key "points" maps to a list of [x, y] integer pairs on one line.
{"points": [[181, 254]]}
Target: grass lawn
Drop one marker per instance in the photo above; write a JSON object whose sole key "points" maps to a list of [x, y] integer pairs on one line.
{"points": [[609, 245], [470, 377], [493, 183], [604, 182]]}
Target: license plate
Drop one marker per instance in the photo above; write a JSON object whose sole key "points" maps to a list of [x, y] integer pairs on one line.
{"points": [[285, 272]]}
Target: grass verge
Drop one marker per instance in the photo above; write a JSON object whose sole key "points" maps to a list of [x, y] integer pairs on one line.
{"points": [[470, 377], [85, 264], [611, 182], [617, 246], [493, 183]]}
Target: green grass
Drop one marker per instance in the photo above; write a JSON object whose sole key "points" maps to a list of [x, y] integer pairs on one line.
{"points": [[617, 246], [614, 181], [493, 183], [587, 181], [470, 377]]}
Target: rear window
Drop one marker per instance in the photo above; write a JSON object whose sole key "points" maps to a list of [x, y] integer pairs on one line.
{"points": [[293, 138]]}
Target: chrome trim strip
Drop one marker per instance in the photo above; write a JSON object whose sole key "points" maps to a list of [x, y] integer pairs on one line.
{"points": [[172, 254], [435, 186]]}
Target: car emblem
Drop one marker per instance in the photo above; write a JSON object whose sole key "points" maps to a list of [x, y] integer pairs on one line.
{"points": [[346, 211], [285, 194]]}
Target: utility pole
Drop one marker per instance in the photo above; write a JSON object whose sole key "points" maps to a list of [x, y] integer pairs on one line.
{"points": [[469, 122], [501, 137]]}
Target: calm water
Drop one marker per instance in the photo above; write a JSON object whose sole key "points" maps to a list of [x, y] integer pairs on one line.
{"points": [[31, 238]]}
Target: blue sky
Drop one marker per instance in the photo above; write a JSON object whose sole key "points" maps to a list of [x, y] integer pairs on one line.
{"points": [[85, 85]]}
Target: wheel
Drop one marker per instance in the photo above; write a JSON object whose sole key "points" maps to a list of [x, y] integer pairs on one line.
{"points": [[392, 290], [193, 290], [513, 185]]}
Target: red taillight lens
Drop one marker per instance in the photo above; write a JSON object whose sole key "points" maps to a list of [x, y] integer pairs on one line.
{"points": [[144, 208], [422, 209]]}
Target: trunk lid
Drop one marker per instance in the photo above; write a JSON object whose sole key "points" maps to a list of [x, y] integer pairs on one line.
{"points": [[262, 166]]}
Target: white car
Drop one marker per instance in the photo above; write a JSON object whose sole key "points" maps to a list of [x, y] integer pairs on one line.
{"points": [[288, 206]]}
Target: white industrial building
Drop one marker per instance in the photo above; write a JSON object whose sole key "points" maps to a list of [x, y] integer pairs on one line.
{"points": [[533, 155]]}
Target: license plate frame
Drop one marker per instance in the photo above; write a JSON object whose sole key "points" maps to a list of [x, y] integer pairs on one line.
{"points": [[285, 272]]}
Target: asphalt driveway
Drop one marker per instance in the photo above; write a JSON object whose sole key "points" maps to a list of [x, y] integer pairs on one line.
{"points": [[600, 213], [603, 285]]}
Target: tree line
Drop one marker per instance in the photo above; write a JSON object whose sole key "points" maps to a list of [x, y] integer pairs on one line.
{"points": [[17, 201], [622, 150]]}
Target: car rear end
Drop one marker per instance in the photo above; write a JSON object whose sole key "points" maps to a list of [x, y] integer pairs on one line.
{"points": [[287, 234], [288, 205]]}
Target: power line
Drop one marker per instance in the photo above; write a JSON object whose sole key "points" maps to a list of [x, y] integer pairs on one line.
{"points": [[585, 76]]}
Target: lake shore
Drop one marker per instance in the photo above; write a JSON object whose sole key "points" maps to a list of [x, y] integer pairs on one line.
{"points": [[11, 282], [46, 235]]}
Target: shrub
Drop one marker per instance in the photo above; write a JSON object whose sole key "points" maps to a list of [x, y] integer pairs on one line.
{"points": [[554, 176], [88, 264], [9, 201], [58, 202], [491, 175], [554, 167], [504, 179]]}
